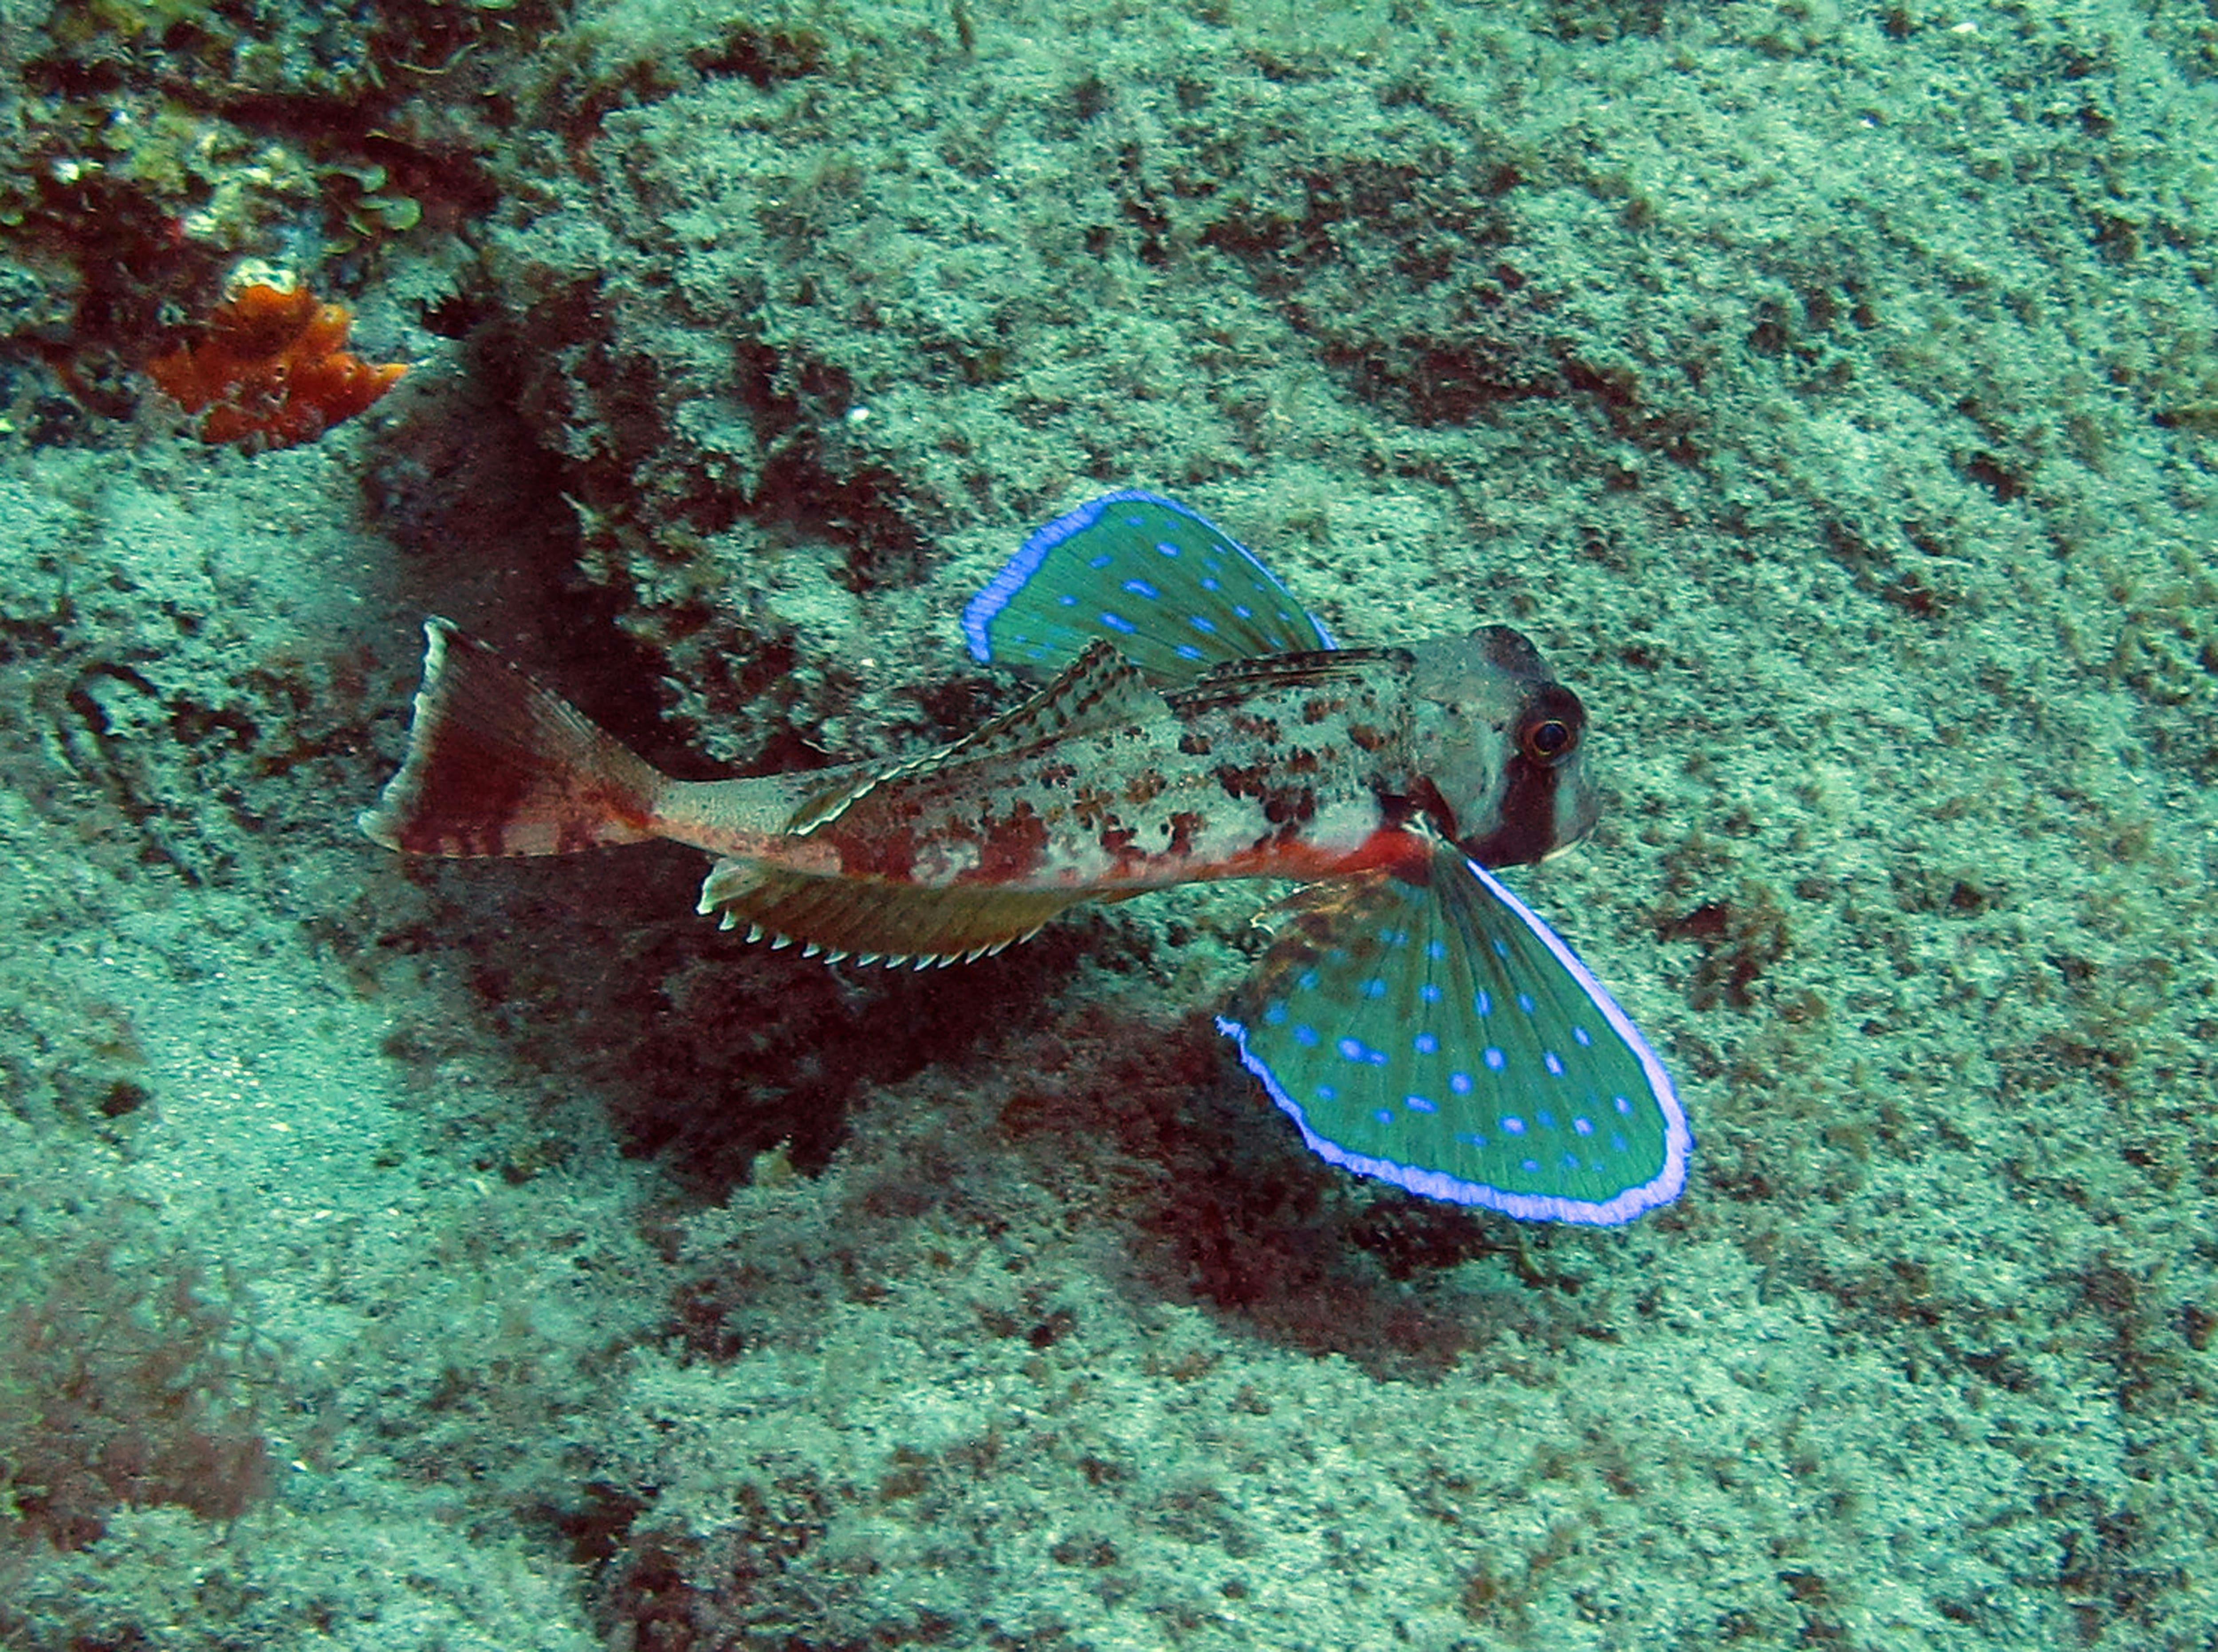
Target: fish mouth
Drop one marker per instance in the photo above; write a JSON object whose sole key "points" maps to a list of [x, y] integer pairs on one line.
{"points": [[1579, 811]]}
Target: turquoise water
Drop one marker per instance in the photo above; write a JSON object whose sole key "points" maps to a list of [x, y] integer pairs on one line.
{"points": [[496, 1255]]}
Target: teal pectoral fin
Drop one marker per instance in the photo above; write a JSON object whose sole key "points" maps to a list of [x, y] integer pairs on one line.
{"points": [[1440, 1036], [1170, 589]]}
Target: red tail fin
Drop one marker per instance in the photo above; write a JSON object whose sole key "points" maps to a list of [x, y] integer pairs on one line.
{"points": [[497, 766]]}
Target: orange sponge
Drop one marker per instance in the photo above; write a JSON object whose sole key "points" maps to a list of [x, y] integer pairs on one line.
{"points": [[271, 370]]}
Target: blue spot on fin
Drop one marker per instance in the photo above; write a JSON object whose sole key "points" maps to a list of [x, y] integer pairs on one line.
{"points": [[1575, 1122], [1174, 593]]}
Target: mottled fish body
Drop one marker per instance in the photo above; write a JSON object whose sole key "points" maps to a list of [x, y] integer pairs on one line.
{"points": [[1202, 728]]}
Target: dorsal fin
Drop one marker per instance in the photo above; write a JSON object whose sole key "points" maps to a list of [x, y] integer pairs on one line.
{"points": [[1237, 678], [1098, 689]]}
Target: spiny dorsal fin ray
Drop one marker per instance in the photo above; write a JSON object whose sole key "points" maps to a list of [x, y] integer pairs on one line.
{"points": [[1235, 679], [1098, 689], [876, 920]]}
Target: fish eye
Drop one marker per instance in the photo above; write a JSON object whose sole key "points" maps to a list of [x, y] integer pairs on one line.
{"points": [[1547, 740]]}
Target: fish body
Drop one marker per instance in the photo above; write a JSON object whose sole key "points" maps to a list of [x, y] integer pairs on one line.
{"points": [[1201, 728], [1290, 774]]}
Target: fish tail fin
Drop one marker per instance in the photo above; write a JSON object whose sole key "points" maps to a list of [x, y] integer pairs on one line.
{"points": [[498, 765]]}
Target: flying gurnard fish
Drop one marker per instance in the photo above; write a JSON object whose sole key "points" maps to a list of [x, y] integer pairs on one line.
{"points": [[1414, 1018]]}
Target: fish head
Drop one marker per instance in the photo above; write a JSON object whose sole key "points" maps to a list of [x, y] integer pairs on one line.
{"points": [[1499, 748]]}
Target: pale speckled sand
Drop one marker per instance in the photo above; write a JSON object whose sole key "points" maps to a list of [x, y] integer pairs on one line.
{"points": [[1830, 392]]}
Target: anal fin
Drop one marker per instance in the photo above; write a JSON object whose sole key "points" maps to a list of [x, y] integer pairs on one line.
{"points": [[873, 920]]}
